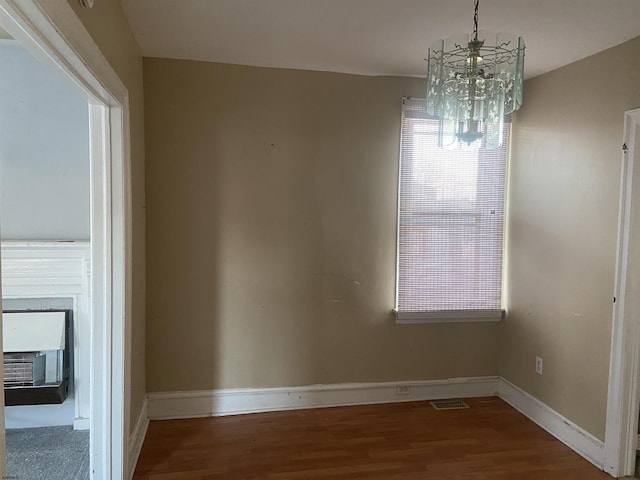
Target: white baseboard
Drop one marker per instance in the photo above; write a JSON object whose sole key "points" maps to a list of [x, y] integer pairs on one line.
{"points": [[206, 403], [136, 439], [33, 416], [575, 437], [82, 424]]}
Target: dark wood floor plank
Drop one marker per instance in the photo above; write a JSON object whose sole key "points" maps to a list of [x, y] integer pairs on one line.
{"points": [[403, 441]]}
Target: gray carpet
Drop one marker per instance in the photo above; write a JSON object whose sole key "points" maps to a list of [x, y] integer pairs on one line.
{"points": [[48, 453]]}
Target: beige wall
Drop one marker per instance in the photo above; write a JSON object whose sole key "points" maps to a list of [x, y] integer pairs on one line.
{"points": [[563, 228], [271, 210], [110, 30]]}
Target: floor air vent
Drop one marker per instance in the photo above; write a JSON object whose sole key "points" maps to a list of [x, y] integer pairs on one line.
{"points": [[449, 405]]}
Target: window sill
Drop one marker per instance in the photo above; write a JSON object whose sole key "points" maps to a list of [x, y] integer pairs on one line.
{"points": [[449, 316]]}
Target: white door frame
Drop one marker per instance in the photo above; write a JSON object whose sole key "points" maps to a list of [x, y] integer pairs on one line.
{"points": [[623, 404], [51, 31]]}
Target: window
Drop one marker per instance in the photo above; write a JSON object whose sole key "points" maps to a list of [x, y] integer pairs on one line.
{"points": [[450, 225]]}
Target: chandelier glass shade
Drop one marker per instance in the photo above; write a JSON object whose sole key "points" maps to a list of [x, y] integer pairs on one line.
{"points": [[472, 83]]}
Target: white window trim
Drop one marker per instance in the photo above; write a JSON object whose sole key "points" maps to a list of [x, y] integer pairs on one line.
{"points": [[449, 316]]}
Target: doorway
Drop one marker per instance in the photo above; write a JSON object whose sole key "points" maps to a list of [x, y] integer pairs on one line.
{"points": [[45, 225], [51, 32], [623, 406]]}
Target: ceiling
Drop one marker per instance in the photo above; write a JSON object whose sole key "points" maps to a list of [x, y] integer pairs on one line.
{"points": [[372, 37]]}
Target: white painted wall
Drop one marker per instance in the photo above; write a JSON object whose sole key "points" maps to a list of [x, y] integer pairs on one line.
{"points": [[44, 151]]}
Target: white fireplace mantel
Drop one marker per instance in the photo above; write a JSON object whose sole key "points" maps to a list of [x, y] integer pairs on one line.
{"points": [[57, 270]]}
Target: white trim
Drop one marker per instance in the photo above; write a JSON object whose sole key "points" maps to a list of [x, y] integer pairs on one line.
{"points": [[136, 439], [57, 270], [50, 30], [449, 316], [623, 402], [572, 435], [82, 424], [206, 403]]}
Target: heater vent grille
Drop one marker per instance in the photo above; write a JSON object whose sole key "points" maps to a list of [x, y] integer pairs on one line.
{"points": [[449, 405]]}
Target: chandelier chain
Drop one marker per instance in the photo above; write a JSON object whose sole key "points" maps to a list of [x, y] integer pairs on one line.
{"points": [[475, 20]]}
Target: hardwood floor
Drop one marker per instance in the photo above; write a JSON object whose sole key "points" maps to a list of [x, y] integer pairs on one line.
{"points": [[401, 441]]}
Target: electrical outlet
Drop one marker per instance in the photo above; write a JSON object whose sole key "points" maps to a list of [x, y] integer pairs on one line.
{"points": [[539, 365], [403, 390]]}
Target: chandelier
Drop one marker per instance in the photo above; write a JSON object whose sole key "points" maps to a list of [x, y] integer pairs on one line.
{"points": [[472, 83]]}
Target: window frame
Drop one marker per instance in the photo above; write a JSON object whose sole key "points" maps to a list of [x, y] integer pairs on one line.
{"points": [[459, 315]]}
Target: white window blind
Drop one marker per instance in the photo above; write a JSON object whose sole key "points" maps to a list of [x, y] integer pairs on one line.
{"points": [[450, 225]]}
